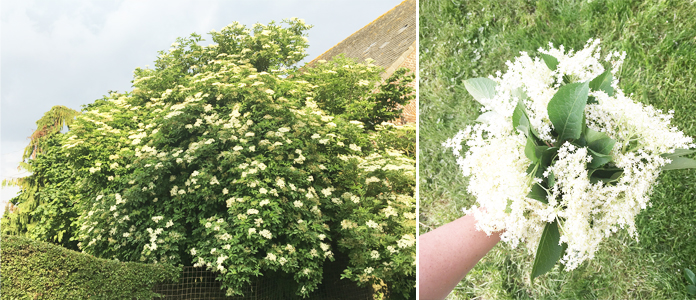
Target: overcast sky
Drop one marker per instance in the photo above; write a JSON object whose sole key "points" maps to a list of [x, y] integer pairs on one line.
{"points": [[60, 52]]}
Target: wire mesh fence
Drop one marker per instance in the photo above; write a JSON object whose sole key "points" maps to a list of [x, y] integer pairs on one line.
{"points": [[198, 283]]}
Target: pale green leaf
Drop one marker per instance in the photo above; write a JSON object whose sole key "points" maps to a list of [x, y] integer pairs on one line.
{"points": [[480, 88], [678, 152], [550, 61], [680, 163]]}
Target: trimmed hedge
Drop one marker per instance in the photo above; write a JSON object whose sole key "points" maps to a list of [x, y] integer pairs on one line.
{"points": [[39, 270]]}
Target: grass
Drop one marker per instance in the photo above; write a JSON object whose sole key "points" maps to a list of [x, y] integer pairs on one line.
{"points": [[465, 39]]}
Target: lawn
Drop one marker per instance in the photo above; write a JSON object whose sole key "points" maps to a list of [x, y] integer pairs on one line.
{"points": [[465, 39]]}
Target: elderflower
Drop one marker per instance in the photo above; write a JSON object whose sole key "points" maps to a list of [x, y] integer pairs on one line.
{"points": [[586, 210], [265, 233]]}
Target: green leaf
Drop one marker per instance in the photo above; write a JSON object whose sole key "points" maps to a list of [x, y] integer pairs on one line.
{"points": [[691, 289], [566, 110], [604, 175], [519, 117], [538, 193], [602, 146], [549, 250], [530, 149], [550, 61], [690, 276], [680, 163], [507, 207], [598, 159], [547, 157], [480, 88], [520, 120], [539, 151], [486, 117], [582, 141], [567, 79], [599, 141], [552, 179], [531, 167], [591, 135], [603, 83], [678, 152]]}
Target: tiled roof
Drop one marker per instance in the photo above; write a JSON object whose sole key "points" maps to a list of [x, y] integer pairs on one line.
{"points": [[388, 39]]}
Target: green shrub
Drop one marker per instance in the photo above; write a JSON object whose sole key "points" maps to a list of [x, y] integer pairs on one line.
{"points": [[401, 138], [40, 270], [343, 87]]}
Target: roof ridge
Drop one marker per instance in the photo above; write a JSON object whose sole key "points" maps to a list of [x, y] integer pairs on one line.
{"points": [[354, 33]]}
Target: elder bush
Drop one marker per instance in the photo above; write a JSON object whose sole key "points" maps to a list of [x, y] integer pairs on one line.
{"points": [[221, 157]]}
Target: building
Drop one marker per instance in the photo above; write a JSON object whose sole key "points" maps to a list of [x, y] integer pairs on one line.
{"points": [[390, 41]]}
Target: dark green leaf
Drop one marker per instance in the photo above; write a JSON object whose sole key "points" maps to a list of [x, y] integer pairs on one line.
{"points": [[592, 100], [550, 61], [690, 276], [566, 110], [582, 141], [678, 152], [538, 193], [567, 79], [691, 289], [480, 88], [549, 250], [604, 175], [680, 163], [539, 150], [603, 83], [547, 157]]}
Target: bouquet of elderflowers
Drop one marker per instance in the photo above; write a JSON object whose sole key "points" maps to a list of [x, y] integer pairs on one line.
{"points": [[561, 158]]}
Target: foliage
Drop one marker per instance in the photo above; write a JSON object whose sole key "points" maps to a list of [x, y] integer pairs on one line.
{"points": [[691, 282], [39, 270], [401, 138], [45, 210], [466, 39], [52, 122], [220, 157], [343, 88], [379, 221]]}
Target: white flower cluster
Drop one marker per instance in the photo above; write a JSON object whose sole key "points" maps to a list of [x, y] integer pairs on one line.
{"points": [[492, 154]]}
